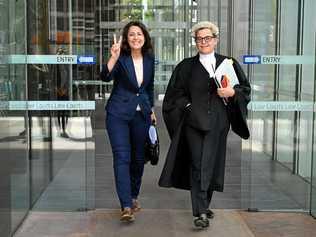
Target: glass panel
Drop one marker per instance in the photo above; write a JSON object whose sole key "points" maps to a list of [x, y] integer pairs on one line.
{"points": [[237, 40], [288, 80], [39, 85], [17, 119], [14, 174], [71, 165], [62, 143], [308, 83], [306, 149], [279, 137], [310, 74], [5, 202]]}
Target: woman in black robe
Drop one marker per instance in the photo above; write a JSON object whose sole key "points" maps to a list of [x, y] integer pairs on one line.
{"points": [[198, 113]]}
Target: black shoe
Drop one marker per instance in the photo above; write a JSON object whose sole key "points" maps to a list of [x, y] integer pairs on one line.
{"points": [[209, 214], [64, 134], [201, 222]]}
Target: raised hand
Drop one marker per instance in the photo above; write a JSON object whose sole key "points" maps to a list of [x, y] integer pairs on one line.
{"points": [[116, 47], [115, 52]]}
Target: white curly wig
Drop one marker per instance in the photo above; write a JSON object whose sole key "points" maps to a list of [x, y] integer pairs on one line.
{"points": [[205, 25]]}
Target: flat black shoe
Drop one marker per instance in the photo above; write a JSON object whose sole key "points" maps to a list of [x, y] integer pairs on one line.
{"points": [[201, 223], [209, 214]]}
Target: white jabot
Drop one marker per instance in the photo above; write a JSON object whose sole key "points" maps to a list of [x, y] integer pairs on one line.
{"points": [[209, 62], [138, 65]]}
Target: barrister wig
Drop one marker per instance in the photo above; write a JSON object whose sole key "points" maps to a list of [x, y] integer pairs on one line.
{"points": [[205, 25]]}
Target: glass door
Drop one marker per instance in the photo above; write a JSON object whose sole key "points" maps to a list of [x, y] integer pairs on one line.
{"points": [[61, 137], [313, 176], [282, 105], [39, 89], [46, 138]]}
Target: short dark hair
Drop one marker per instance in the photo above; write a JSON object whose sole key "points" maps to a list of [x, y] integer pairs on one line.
{"points": [[147, 47]]}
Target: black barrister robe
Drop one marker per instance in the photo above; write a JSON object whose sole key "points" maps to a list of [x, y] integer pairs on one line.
{"points": [[190, 83]]}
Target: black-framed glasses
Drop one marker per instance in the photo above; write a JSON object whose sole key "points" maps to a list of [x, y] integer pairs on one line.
{"points": [[206, 39]]}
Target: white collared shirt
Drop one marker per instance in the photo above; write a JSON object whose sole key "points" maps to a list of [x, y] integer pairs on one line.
{"points": [[209, 62], [138, 65]]}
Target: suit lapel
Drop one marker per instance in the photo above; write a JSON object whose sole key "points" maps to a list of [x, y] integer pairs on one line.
{"points": [[128, 65], [147, 68]]}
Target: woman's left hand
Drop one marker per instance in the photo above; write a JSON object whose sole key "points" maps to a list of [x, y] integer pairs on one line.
{"points": [[226, 92], [153, 118]]}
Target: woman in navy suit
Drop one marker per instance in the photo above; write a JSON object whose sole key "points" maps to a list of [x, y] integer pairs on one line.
{"points": [[130, 110]]}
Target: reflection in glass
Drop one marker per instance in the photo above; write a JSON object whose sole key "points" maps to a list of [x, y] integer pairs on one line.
{"points": [[14, 182], [59, 139]]}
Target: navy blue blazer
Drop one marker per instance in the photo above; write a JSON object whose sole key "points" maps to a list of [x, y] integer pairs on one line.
{"points": [[126, 94]]}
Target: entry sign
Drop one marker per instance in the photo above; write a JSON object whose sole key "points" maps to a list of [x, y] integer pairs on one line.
{"points": [[47, 59], [278, 59], [252, 59], [85, 59]]}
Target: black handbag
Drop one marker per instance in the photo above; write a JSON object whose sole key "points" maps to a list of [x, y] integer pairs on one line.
{"points": [[152, 148]]}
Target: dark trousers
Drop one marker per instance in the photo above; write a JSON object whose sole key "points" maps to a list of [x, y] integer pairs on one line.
{"points": [[128, 140], [200, 199], [62, 117]]}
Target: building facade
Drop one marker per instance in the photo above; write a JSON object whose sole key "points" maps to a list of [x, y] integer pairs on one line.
{"points": [[51, 52]]}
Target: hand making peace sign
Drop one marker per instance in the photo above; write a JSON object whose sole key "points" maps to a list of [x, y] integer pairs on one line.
{"points": [[116, 47]]}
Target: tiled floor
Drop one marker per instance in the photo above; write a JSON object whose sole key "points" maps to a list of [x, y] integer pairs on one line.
{"points": [[166, 223], [265, 224]]}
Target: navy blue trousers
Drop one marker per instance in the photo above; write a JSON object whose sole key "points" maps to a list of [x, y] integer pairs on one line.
{"points": [[127, 139]]}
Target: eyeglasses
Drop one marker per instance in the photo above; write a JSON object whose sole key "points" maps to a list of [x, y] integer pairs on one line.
{"points": [[206, 39]]}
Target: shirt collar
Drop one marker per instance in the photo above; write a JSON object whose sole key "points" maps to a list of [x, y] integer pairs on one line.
{"points": [[210, 56]]}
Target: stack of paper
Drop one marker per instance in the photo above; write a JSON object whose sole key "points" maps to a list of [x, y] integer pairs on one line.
{"points": [[226, 68]]}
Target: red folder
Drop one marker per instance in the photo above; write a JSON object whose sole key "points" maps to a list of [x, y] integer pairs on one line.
{"points": [[224, 81]]}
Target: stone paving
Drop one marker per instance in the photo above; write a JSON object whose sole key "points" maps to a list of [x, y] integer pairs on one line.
{"points": [[166, 223]]}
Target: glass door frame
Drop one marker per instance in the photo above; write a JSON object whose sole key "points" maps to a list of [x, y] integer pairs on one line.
{"points": [[312, 210]]}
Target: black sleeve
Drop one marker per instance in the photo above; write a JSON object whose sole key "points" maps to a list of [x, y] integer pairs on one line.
{"points": [[150, 87], [242, 90], [176, 98], [238, 103], [177, 95]]}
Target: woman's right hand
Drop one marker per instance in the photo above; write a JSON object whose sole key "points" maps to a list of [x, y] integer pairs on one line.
{"points": [[116, 47], [115, 53]]}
